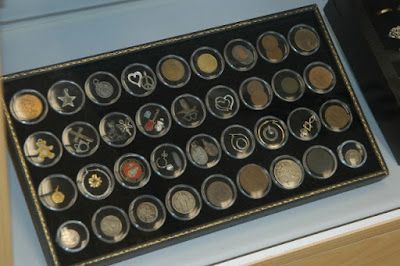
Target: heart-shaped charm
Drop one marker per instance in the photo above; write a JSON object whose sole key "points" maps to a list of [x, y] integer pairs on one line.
{"points": [[135, 78], [224, 103]]}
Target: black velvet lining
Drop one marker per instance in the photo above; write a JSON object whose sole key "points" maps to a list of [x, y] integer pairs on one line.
{"points": [[84, 208]]}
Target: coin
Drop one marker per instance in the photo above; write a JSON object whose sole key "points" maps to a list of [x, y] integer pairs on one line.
{"points": [[147, 212], [69, 238], [173, 69], [183, 202], [320, 162], [72, 236], [352, 153], [273, 47], [240, 54], [320, 77], [207, 63], [288, 85], [288, 172], [353, 157], [306, 39], [219, 193], [336, 116], [111, 225], [254, 181], [28, 107]]}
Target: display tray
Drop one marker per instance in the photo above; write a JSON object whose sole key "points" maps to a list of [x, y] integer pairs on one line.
{"points": [[126, 152]]}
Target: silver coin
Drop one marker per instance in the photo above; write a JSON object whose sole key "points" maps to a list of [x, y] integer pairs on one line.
{"points": [[183, 202], [69, 238], [111, 226], [288, 173], [147, 212]]}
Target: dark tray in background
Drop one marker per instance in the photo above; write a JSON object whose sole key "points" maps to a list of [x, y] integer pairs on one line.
{"points": [[374, 58], [173, 231]]}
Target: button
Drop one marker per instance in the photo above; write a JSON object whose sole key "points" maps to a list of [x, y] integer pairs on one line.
{"points": [[304, 39], [183, 202], [336, 116], [168, 160], [203, 151], [147, 213], [110, 224], [80, 139], [95, 181], [153, 120], [173, 71], [72, 236], [222, 102], [253, 181], [256, 93], [240, 55], [238, 142], [271, 132], [320, 162], [138, 80], [103, 88], [319, 77], [352, 153], [66, 97], [304, 124], [288, 85], [207, 63], [117, 129], [272, 47], [132, 171], [188, 111], [43, 149], [57, 192], [287, 172], [28, 107], [219, 192]]}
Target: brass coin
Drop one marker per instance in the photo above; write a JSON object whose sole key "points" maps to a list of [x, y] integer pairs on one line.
{"points": [[353, 157], [173, 70], [254, 180], [275, 54], [69, 238], [243, 55], [219, 194], [336, 117], [257, 93], [306, 40], [28, 107], [269, 42], [320, 77], [207, 63], [111, 226], [183, 202], [288, 173], [290, 85], [147, 212]]}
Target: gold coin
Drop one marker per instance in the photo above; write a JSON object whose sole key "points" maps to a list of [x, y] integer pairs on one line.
{"points": [[207, 63], [243, 55], [336, 117], [353, 157], [183, 202], [219, 194], [269, 42], [306, 40], [257, 93], [254, 180], [28, 107], [320, 77], [290, 85], [111, 226], [173, 69], [288, 173]]}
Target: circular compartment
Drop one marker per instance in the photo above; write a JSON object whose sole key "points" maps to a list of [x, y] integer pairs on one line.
{"points": [[173, 71], [110, 224], [95, 181], [66, 97], [271, 132], [117, 129], [28, 107], [203, 151], [153, 120], [207, 63], [287, 172], [168, 160], [188, 111], [240, 55], [132, 171], [72, 236], [253, 181], [147, 213], [80, 139], [288, 85], [273, 47], [222, 102], [57, 192], [304, 39], [319, 77], [138, 80], [238, 142], [336, 115], [352, 153], [219, 192], [103, 88], [320, 162], [304, 124], [256, 93], [43, 149], [183, 202]]}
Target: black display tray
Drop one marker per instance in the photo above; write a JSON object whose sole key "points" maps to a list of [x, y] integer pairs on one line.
{"points": [[373, 57], [173, 231]]}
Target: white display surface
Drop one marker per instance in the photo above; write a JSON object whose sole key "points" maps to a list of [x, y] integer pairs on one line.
{"points": [[49, 40]]}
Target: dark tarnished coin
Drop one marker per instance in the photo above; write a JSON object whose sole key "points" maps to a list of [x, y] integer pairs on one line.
{"points": [[207, 63], [183, 202], [43, 149], [173, 71], [103, 88], [95, 181], [203, 151], [117, 129], [110, 224], [219, 192], [80, 139], [304, 124], [28, 106], [72, 236], [138, 80], [57, 192], [304, 39], [132, 171], [352, 154], [320, 162], [273, 47], [188, 111], [253, 181], [319, 77], [66, 97], [287, 172], [240, 55], [336, 115], [147, 213], [256, 93], [271, 132], [288, 85], [237, 141]]}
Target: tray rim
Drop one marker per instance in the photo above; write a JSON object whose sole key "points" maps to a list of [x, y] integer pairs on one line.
{"points": [[37, 208]]}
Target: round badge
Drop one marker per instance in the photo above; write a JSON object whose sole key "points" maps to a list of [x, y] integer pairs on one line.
{"points": [[173, 71], [287, 172], [304, 124], [43, 149], [117, 129], [253, 181], [153, 120], [238, 142], [222, 102], [147, 213], [80, 139], [304, 39], [183, 202], [103, 88], [132, 171], [273, 47], [271, 132], [219, 192], [72, 236], [66, 97], [207, 63], [168, 160], [188, 111], [203, 151], [57, 192], [320, 162], [28, 107], [352, 153], [288, 85], [110, 224], [139, 80], [95, 181], [256, 93], [240, 55]]}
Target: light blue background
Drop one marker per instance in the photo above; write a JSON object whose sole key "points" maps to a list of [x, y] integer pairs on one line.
{"points": [[38, 42]]}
